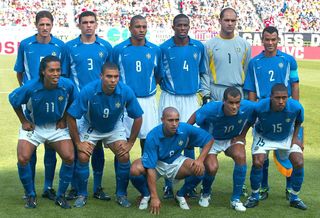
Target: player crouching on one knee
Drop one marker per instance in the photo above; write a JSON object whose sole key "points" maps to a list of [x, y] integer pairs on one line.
{"points": [[278, 121], [43, 121], [162, 157]]}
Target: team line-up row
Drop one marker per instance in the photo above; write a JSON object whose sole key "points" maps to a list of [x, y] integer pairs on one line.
{"points": [[117, 104]]}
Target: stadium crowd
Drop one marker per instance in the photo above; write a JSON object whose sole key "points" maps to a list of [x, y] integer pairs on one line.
{"points": [[288, 15]]}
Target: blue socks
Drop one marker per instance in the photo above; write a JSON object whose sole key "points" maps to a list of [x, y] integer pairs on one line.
{"points": [[122, 178], [50, 162], [141, 184], [255, 180], [25, 175], [97, 163], [207, 183], [190, 183], [239, 176], [82, 171], [297, 177], [65, 175], [264, 182], [33, 162]]}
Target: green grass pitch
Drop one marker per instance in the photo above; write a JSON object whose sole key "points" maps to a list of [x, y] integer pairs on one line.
{"points": [[12, 205]]}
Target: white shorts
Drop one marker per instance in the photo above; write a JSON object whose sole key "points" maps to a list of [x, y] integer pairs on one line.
{"points": [[261, 145], [169, 171], [185, 104], [88, 134], [149, 118], [45, 133], [222, 145]]}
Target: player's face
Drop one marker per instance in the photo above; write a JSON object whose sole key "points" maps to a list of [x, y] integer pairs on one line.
{"points": [[228, 22], [278, 100], [231, 105], [181, 27], [52, 74], [170, 123], [110, 79], [270, 42], [88, 25], [139, 29], [44, 27]]}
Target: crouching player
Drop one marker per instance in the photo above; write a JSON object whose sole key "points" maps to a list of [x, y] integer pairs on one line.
{"points": [[228, 122], [102, 103], [43, 121], [162, 157], [277, 127]]}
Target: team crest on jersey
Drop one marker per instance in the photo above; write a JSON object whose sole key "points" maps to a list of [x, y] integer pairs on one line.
{"points": [[288, 120], [238, 50], [240, 121], [101, 54], [86, 137], [148, 56], [60, 98], [195, 56], [118, 104], [54, 54], [180, 143], [280, 65]]}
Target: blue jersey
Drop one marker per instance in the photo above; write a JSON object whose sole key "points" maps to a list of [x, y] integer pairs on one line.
{"points": [[182, 66], [103, 111], [264, 72], [31, 52], [168, 149], [139, 66], [44, 106], [277, 125], [84, 62], [212, 118]]}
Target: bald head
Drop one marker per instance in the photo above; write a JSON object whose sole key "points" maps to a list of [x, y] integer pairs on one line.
{"points": [[169, 110]]}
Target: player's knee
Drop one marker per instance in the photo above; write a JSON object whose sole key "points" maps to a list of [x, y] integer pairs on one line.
{"points": [[69, 158], [136, 168], [297, 163], [211, 167], [83, 157], [23, 159], [124, 158], [240, 158]]}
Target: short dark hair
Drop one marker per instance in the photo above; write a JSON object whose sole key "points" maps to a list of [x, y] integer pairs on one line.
{"points": [[270, 29], [44, 62], [87, 14], [178, 17], [279, 87], [232, 91], [136, 17], [109, 66], [225, 9], [43, 14]]}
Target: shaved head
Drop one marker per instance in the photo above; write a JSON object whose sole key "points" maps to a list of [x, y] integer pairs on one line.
{"points": [[169, 110]]}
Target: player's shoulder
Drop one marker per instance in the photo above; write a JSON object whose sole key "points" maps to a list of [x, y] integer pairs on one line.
{"points": [[293, 104], [214, 106], [73, 42], [241, 40], [286, 56], [57, 41], [169, 42], [247, 103], [152, 46], [122, 44], [66, 82], [28, 40], [103, 42]]}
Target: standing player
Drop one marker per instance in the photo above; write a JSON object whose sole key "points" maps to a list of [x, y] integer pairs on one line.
{"points": [[227, 56], [228, 122], [102, 103], [46, 100], [162, 157], [183, 64], [85, 56], [270, 67], [277, 128], [139, 64], [30, 53]]}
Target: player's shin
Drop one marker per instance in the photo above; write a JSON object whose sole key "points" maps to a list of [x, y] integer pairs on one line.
{"points": [[255, 180], [25, 176], [140, 183], [82, 174], [239, 176], [122, 177], [65, 175], [50, 161]]}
